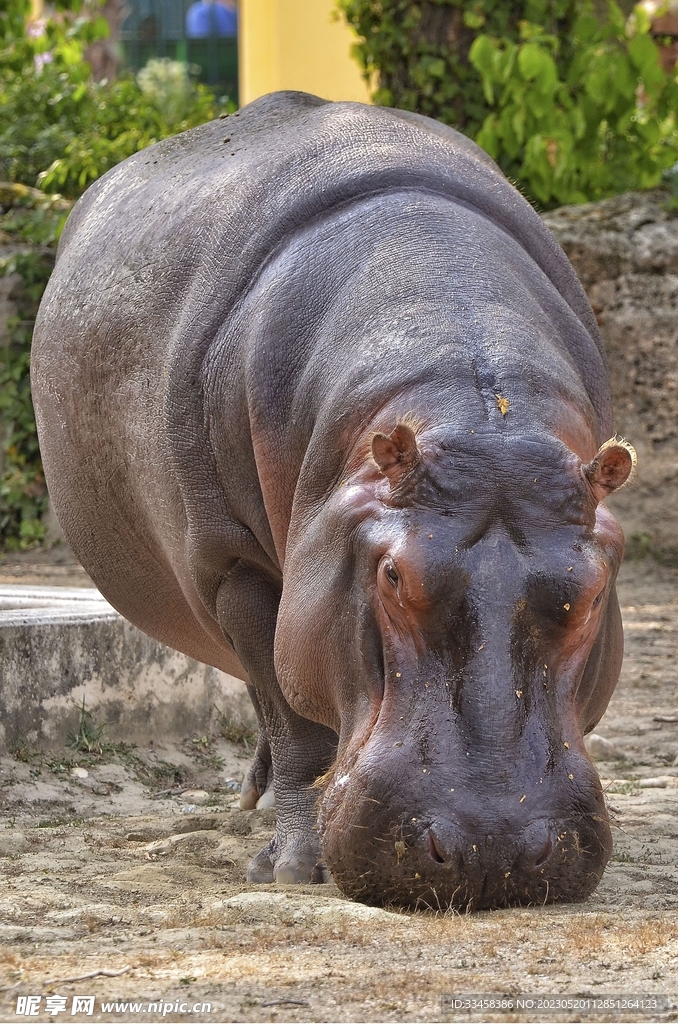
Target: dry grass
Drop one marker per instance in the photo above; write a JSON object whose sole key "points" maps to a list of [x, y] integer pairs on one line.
{"points": [[93, 923], [148, 960], [587, 934], [647, 937], [182, 917], [592, 933]]}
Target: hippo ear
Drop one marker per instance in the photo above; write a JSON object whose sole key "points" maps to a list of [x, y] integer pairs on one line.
{"points": [[397, 454], [611, 468]]}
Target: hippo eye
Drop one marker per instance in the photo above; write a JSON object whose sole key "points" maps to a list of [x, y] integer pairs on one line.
{"points": [[392, 576], [598, 599]]}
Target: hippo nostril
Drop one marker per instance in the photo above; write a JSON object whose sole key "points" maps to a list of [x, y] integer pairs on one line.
{"points": [[546, 852], [433, 850], [536, 846]]}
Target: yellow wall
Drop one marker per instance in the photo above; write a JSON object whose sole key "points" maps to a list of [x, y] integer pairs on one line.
{"points": [[295, 44]]}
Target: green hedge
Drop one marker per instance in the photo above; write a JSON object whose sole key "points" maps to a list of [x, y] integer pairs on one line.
{"points": [[567, 96], [30, 221], [59, 130]]}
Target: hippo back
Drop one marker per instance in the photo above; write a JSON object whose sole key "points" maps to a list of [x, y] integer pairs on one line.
{"points": [[213, 204]]}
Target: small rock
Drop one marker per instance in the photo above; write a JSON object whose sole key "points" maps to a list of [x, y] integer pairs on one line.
{"points": [[231, 786], [200, 823], [659, 782], [99, 913], [79, 773], [220, 858], [601, 749], [189, 808], [263, 819], [274, 907], [157, 917], [162, 845], [12, 844], [145, 835], [196, 796]]}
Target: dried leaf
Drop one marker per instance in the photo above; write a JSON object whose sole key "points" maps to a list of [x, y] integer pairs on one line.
{"points": [[502, 404]]}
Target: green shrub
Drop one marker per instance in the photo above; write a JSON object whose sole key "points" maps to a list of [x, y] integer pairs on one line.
{"points": [[31, 223], [418, 52], [602, 123], [573, 105], [61, 131], [167, 85]]}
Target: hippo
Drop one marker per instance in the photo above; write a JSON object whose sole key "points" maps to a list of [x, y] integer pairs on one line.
{"points": [[322, 404]]}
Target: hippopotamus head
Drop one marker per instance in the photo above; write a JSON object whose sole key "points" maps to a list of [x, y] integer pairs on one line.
{"points": [[460, 632]]}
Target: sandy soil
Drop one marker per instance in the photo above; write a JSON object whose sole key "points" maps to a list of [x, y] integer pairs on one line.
{"points": [[108, 872]]}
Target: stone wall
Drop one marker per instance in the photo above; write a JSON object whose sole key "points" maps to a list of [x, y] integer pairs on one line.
{"points": [[625, 251]]}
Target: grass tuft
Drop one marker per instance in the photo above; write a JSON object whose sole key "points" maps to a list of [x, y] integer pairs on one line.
{"points": [[236, 731]]}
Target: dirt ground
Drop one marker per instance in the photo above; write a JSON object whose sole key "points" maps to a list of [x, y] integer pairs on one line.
{"points": [[121, 870]]}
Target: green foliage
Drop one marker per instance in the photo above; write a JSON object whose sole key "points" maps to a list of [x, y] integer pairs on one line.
{"points": [[61, 131], [31, 224], [572, 104], [418, 52], [166, 84], [236, 731], [117, 120], [604, 122], [88, 738]]}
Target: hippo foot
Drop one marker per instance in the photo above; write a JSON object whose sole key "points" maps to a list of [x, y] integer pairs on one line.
{"points": [[297, 864], [260, 869], [257, 787]]}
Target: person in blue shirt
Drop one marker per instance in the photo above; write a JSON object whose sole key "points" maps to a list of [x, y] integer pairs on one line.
{"points": [[209, 18]]}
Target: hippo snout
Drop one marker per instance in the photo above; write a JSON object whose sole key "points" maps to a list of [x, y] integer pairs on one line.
{"points": [[463, 850], [439, 868]]}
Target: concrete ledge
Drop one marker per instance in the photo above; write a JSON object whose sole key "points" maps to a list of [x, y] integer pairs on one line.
{"points": [[59, 645], [20, 605]]}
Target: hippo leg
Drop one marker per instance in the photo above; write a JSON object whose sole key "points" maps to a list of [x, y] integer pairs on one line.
{"points": [[257, 787], [300, 750]]}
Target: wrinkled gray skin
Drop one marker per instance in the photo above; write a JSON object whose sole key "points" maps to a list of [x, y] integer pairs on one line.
{"points": [[267, 373]]}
